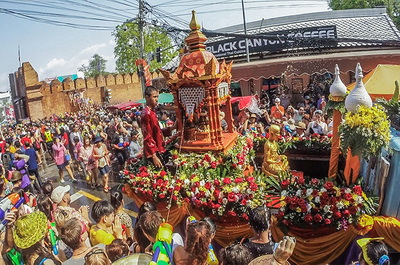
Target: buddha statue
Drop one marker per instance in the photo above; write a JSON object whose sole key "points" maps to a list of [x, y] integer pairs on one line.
{"points": [[273, 163]]}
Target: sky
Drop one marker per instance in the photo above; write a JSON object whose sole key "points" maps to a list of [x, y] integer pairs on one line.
{"points": [[55, 50]]}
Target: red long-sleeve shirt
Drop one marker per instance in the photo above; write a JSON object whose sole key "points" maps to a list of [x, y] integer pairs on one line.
{"points": [[153, 141]]}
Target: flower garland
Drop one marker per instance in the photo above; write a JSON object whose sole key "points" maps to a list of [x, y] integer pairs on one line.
{"points": [[320, 203], [315, 143], [365, 132], [223, 184]]}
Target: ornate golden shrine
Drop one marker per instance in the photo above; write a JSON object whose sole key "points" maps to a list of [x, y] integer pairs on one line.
{"points": [[200, 87]]}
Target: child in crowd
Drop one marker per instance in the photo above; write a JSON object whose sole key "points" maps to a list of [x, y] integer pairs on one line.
{"points": [[108, 226]]}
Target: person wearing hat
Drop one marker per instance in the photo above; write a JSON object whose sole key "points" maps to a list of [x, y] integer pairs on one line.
{"points": [[317, 126], [289, 127], [61, 196], [373, 252], [29, 234], [277, 111], [252, 125], [300, 129]]}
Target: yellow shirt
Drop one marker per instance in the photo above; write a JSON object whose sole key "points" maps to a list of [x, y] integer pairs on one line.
{"points": [[99, 236], [13, 149]]}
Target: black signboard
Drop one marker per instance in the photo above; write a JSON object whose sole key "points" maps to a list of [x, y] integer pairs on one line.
{"points": [[313, 37]]}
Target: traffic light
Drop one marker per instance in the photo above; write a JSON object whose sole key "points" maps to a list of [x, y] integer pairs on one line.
{"points": [[158, 55], [107, 95]]}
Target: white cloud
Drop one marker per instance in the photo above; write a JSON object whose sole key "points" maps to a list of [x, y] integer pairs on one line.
{"points": [[66, 66], [93, 49]]}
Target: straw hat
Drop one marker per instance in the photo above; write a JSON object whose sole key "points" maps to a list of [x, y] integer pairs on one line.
{"points": [[301, 125], [30, 229]]}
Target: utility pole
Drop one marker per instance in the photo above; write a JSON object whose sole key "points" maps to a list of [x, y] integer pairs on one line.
{"points": [[141, 26], [245, 33]]}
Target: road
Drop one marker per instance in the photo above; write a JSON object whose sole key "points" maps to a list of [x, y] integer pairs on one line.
{"points": [[82, 194]]}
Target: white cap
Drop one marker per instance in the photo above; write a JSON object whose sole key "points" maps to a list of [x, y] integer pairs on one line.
{"points": [[58, 193], [277, 100]]}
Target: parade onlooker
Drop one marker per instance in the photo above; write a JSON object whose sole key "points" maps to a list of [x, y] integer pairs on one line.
{"points": [[300, 129], [298, 114], [135, 149], [74, 234], [198, 239], [277, 111], [108, 227], [101, 154], [33, 166], [61, 196], [373, 252], [29, 233], [317, 126], [97, 256], [235, 254], [118, 249], [59, 152], [86, 156], [260, 243], [117, 201]]}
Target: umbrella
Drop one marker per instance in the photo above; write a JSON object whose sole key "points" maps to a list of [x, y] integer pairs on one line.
{"points": [[162, 98]]}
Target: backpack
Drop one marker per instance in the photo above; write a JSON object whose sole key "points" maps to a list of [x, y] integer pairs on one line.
{"points": [[7, 159]]}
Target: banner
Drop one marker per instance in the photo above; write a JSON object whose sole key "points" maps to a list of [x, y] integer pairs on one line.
{"points": [[313, 37]]}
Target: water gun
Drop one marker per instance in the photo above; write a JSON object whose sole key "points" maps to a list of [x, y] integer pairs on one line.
{"points": [[287, 128], [162, 250], [53, 239], [211, 257], [11, 202], [15, 257], [124, 144]]}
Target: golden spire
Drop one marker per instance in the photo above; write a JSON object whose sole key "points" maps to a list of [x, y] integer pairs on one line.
{"points": [[195, 40], [194, 25]]}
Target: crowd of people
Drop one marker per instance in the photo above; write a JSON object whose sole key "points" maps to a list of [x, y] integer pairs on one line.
{"points": [[305, 119], [40, 227]]}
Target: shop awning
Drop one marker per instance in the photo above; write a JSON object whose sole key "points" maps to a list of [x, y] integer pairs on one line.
{"points": [[162, 99], [125, 106], [379, 83], [310, 64]]}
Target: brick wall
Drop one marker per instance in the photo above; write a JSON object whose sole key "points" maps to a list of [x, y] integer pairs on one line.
{"points": [[43, 99]]}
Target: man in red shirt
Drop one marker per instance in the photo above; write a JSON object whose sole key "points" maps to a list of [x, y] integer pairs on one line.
{"points": [[153, 142], [25, 139], [277, 111]]}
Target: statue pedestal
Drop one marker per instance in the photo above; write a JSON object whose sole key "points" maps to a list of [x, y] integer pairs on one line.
{"points": [[201, 146]]}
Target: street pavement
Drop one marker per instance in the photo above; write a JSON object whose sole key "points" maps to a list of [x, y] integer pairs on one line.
{"points": [[82, 194]]}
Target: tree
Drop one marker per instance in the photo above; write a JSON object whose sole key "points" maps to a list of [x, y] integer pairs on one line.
{"points": [[127, 48], [97, 66], [393, 6]]}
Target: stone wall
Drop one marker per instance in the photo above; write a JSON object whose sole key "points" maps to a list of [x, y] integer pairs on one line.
{"points": [[43, 99]]}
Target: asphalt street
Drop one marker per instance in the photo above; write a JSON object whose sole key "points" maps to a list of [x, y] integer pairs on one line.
{"points": [[82, 194]]}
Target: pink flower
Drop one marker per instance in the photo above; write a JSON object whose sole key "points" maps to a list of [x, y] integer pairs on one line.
{"points": [[327, 221]]}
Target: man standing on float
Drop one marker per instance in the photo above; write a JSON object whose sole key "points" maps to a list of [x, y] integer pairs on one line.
{"points": [[153, 143]]}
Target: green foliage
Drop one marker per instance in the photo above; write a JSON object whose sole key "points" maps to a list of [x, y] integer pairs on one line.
{"points": [[97, 66], [127, 48], [393, 6]]}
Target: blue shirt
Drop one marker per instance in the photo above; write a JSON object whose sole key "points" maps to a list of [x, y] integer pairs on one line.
{"points": [[32, 162]]}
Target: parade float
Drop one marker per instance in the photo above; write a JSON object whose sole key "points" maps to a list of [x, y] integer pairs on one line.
{"points": [[212, 170]]}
